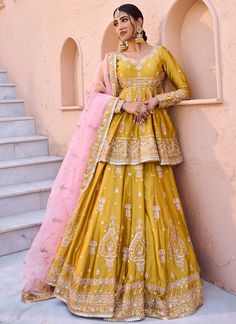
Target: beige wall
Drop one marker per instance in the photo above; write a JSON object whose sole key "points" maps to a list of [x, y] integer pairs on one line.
{"points": [[32, 34]]}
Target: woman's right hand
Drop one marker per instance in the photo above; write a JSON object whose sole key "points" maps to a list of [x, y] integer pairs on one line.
{"points": [[131, 107]]}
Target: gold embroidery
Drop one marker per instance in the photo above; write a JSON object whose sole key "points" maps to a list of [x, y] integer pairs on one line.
{"points": [[162, 254], [127, 299], [163, 128], [143, 127], [118, 106], [172, 97], [132, 150], [122, 126], [159, 171], [137, 248], [101, 203], [137, 82], [104, 297], [176, 247], [156, 210], [177, 203], [139, 170], [172, 275], [169, 151], [125, 253], [128, 210], [138, 95], [103, 129], [68, 234], [118, 170], [143, 82], [112, 72], [92, 245], [109, 243], [97, 146], [127, 150]]}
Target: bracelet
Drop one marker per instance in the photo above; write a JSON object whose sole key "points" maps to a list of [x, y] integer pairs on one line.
{"points": [[118, 106]]}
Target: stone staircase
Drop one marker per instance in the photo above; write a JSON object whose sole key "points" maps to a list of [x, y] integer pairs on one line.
{"points": [[26, 172]]}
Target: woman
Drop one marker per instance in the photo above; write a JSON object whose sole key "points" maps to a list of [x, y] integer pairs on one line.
{"points": [[114, 243]]}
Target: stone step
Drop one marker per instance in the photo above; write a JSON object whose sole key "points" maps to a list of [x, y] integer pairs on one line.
{"points": [[17, 126], [23, 147], [24, 197], [18, 231], [11, 108], [29, 170], [7, 91], [3, 76]]}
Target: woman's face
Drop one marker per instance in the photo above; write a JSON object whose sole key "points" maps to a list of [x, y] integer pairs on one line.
{"points": [[124, 26]]}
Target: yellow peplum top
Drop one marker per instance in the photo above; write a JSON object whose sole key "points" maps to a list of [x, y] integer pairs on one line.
{"points": [[155, 139]]}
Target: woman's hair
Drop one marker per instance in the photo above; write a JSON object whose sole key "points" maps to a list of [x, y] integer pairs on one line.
{"points": [[133, 11]]}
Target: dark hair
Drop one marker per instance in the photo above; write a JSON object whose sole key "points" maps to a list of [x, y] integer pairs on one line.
{"points": [[133, 11]]}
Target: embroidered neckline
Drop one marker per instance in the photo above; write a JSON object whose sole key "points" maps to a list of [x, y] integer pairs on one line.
{"points": [[137, 61]]}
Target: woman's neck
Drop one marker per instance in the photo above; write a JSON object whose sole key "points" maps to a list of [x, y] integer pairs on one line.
{"points": [[136, 48]]}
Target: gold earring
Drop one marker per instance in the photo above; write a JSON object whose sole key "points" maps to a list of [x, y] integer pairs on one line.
{"points": [[123, 46], [139, 36]]}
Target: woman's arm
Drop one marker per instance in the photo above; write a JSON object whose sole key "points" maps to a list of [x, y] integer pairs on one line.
{"points": [[177, 78]]}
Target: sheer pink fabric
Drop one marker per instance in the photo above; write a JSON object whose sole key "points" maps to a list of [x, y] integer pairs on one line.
{"points": [[66, 188]]}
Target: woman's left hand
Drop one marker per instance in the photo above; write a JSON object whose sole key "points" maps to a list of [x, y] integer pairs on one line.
{"points": [[150, 104]]}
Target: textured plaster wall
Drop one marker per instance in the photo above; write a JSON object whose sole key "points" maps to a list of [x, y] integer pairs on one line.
{"points": [[207, 179], [31, 36]]}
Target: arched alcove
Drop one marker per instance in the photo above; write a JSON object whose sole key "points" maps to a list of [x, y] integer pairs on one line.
{"points": [[190, 32], [71, 75], [110, 41]]}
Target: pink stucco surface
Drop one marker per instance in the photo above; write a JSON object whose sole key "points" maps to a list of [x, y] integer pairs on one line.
{"points": [[32, 34]]}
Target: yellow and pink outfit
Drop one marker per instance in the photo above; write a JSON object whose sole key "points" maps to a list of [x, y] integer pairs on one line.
{"points": [[124, 251]]}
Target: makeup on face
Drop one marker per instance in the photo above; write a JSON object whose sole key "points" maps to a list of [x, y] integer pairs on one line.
{"points": [[124, 27]]}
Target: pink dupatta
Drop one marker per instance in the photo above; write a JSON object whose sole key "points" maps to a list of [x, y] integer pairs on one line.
{"points": [[72, 179]]}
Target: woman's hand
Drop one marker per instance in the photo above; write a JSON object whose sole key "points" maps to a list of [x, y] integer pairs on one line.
{"points": [[136, 108], [152, 103], [131, 108]]}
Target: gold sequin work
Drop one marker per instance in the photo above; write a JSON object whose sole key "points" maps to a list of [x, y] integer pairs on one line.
{"points": [[118, 262], [155, 139], [126, 252]]}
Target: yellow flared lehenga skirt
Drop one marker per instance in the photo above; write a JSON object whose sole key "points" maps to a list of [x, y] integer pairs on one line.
{"points": [[126, 252]]}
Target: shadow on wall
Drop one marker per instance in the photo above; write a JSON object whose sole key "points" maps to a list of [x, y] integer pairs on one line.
{"points": [[206, 190], [190, 32]]}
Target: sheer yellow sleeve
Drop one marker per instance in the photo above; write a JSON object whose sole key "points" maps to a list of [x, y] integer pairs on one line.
{"points": [[177, 78]]}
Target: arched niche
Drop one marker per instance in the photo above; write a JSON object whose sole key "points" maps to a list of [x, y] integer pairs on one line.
{"points": [[190, 32], [110, 41], [71, 75]]}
